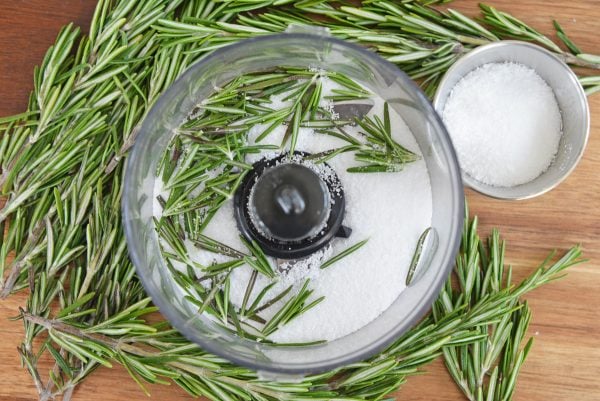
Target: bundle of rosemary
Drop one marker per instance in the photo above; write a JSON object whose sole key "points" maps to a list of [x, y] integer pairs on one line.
{"points": [[62, 167]]}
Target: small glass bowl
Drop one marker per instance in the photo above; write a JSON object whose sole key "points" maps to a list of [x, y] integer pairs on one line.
{"points": [[304, 51], [569, 94]]}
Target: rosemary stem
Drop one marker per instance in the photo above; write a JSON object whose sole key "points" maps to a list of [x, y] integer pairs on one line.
{"points": [[473, 41], [119, 346], [128, 144], [23, 259], [37, 380], [578, 62]]}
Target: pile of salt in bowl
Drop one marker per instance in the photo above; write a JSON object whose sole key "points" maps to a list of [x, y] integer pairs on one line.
{"points": [[505, 124]]}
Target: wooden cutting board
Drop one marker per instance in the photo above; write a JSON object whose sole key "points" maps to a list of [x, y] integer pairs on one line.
{"points": [[565, 361]]}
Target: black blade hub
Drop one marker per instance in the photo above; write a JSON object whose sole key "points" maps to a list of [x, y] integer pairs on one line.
{"points": [[290, 206]]}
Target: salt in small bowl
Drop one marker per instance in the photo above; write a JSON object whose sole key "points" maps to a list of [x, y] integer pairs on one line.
{"points": [[570, 97]]}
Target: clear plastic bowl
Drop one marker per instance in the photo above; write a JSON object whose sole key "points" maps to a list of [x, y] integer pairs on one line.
{"points": [[297, 50]]}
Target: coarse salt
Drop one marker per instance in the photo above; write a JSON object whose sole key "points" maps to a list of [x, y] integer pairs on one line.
{"points": [[505, 124]]}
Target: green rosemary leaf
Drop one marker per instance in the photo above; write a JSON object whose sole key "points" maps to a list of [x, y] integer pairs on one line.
{"points": [[60, 361], [214, 246], [207, 300], [565, 39], [320, 124], [220, 267], [342, 134], [248, 291], [386, 119], [323, 157], [270, 302], [65, 312], [17, 117], [268, 130], [591, 84], [591, 80], [260, 297], [293, 308], [259, 260], [412, 56], [590, 58], [373, 168], [236, 321], [269, 80], [370, 371], [294, 126], [416, 256], [343, 254], [362, 13]]}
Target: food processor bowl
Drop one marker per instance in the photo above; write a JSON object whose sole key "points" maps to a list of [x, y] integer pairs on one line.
{"points": [[304, 51]]}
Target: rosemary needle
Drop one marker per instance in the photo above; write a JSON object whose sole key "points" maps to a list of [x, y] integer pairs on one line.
{"points": [[416, 256], [343, 254]]}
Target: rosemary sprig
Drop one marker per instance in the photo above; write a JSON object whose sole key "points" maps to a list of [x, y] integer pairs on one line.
{"points": [[381, 153], [294, 307], [487, 369]]}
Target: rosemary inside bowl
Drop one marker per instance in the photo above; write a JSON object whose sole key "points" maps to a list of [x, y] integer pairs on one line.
{"points": [[278, 114]]}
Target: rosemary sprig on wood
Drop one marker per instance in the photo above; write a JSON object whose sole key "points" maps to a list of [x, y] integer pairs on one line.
{"points": [[487, 369]]}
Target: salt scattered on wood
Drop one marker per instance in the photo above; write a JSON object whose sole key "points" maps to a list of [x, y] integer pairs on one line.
{"points": [[504, 122]]}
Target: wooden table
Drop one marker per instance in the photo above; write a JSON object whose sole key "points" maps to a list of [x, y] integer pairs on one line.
{"points": [[565, 361]]}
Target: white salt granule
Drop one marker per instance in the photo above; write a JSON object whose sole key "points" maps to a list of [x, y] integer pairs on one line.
{"points": [[504, 122]]}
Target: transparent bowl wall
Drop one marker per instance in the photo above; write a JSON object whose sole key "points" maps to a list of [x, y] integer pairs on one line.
{"points": [[298, 50]]}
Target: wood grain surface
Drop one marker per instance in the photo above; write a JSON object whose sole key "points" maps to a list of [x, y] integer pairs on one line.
{"points": [[565, 361]]}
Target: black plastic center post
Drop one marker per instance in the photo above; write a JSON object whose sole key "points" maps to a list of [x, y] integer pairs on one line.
{"points": [[289, 202], [288, 208]]}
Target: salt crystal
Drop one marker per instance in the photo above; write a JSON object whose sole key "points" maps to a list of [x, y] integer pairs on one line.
{"points": [[505, 124], [296, 271]]}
